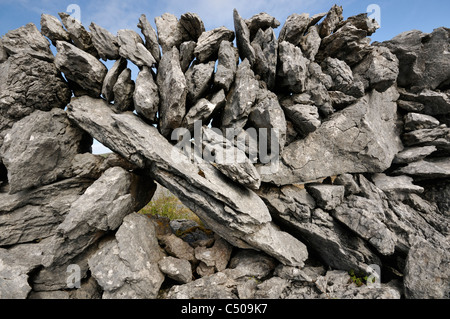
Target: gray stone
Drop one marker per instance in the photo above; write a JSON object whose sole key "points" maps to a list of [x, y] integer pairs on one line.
{"points": [[348, 181], [199, 78], [151, 39], [202, 111], [268, 114], [228, 159], [104, 42], [427, 169], [331, 21], [116, 194], [363, 22], [127, 266], [172, 92], [271, 288], [80, 37], [439, 137], [261, 21], [228, 57], [39, 149], [123, 92], [132, 48], [146, 95], [187, 54], [3, 53], [414, 154], [111, 78], [397, 184], [177, 269], [52, 28], [352, 148], [80, 67], [310, 43], [327, 197], [241, 98], [209, 42], [170, 32], [36, 213], [424, 62], [378, 70], [243, 41], [39, 87], [217, 256], [217, 286], [178, 248], [416, 121], [237, 215], [292, 69], [427, 273], [342, 76], [294, 28], [265, 45], [28, 40], [250, 263], [192, 25]]}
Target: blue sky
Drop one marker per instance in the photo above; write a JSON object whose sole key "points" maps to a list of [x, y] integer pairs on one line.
{"points": [[396, 16]]}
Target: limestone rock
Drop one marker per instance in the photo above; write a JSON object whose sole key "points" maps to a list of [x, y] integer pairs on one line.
{"points": [[111, 78], [305, 117], [192, 25], [343, 79], [330, 23], [29, 40], [80, 37], [39, 149], [176, 269], [123, 92], [265, 46], [217, 256], [127, 266], [170, 32], [424, 62], [104, 42], [396, 184], [228, 57], [80, 67], [40, 87], [427, 169], [416, 121], [241, 98], [251, 263], [427, 272], [132, 48], [151, 39], [202, 111], [198, 80], [178, 248], [229, 160], [293, 68], [261, 21], [187, 54], [360, 153], [327, 197], [294, 28], [52, 28], [146, 95], [243, 41], [172, 91], [310, 43], [209, 42], [414, 154]]}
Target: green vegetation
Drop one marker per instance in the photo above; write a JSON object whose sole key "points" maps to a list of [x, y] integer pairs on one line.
{"points": [[168, 205], [359, 278]]}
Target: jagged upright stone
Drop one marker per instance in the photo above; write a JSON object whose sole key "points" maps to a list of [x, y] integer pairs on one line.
{"points": [[293, 68], [199, 78], [170, 32], [52, 28], [132, 48], [294, 28], [261, 21], [209, 42], [104, 42], [111, 78], [80, 37], [265, 45], [243, 41], [331, 21], [193, 25], [123, 92], [146, 95], [172, 90], [151, 39], [227, 65]]}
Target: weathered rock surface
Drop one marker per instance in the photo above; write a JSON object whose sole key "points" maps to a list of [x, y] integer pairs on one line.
{"points": [[243, 41], [104, 42], [80, 67], [39, 149], [176, 269], [261, 21], [151, 39], [52, 28], [127, 266], [78, 34], [172, 92], [132, 48], [199, 78], [355, 126], [193, 25], [146, 95], [209, 42], [293, 68], [111, 78], [228, 57], [265, 46], [170, 32]]}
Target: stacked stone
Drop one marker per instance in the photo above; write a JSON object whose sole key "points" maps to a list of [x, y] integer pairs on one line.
{"points": [[361, 130]]}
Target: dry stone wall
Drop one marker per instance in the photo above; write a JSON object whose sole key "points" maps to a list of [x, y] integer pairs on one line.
{"points": [[308, 155]]}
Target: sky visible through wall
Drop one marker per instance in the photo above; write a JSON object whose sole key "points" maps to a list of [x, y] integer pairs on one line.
{"points": [[394, 16]]}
